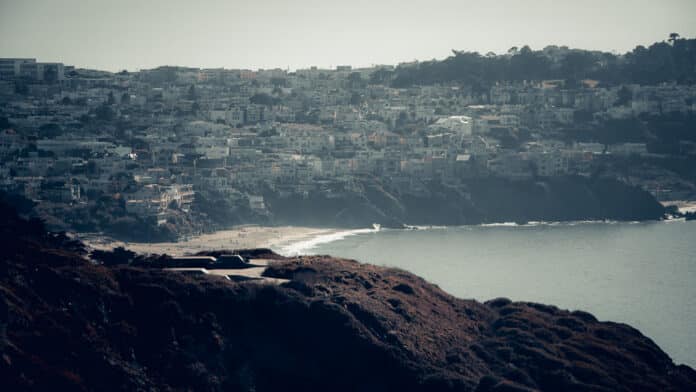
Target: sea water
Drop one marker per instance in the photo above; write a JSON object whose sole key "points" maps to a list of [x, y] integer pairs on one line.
{"points": [[643, 274]]}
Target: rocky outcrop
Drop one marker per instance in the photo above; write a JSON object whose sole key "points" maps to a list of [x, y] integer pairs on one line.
{"points": [[482, 200], [499, 345], [69, 324]]}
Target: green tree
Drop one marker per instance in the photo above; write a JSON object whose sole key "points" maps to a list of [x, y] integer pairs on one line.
{"points": [[50, 130], [5, 123], [355, 99], [263, 99], [279, 82], [380, 76], [673, 37], [105, 113], [192, 93], [624, 96], [577, 65], [117, 256], [355, 80], [91, 169]]}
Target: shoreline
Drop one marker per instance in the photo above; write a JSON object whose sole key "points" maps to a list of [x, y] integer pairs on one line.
{"points": [[297, 240], [53, 284], [242, 237]]}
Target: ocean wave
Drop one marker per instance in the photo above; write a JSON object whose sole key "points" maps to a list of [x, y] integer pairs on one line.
{"points": [[499, 224], [551, 223], [557, 223], [674, 220], [425, 227], [301, 247]]}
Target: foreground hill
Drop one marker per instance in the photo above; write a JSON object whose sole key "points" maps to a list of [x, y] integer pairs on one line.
{"points": [[69, 324]]}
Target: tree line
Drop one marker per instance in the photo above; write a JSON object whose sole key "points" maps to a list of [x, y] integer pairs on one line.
{"points": [[672, 60]]}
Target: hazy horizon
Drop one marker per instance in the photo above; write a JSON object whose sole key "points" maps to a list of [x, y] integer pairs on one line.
{"points": [[267, 34]]}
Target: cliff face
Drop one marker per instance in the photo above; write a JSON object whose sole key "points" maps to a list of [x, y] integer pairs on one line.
{"points": [[67, 324], [484, 200]]}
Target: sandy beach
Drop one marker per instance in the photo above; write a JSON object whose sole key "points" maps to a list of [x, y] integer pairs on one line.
{"points": [[244, 237]]}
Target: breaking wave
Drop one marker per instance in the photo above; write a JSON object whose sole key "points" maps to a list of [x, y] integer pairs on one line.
{"points": [[302, 247]]}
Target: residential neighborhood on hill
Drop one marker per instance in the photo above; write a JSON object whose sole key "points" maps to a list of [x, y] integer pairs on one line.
{"points": [[169, 151]]}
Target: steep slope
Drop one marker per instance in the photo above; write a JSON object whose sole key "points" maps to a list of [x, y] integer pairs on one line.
{"points": [[68, 324], [483, 200]]}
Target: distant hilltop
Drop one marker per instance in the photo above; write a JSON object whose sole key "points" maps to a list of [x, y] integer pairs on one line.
{"points": [[30, 69], [172, 151], [671, 60]]}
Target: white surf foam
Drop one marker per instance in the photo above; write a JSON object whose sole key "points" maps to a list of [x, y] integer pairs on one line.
{"points": [[500, 224], [302, 247]]}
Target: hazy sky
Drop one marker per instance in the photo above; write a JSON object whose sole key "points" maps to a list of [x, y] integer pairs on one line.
{"points": [[138, 34]]}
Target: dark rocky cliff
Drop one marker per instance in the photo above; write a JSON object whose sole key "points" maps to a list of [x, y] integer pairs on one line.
{"points": [[68, 324], [484, 200]]}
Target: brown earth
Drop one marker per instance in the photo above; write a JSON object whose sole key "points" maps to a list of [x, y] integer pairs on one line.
{"points": [[67, 323]]}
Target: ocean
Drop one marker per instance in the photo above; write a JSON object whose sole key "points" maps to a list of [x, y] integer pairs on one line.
{"points": [[642, 274]]}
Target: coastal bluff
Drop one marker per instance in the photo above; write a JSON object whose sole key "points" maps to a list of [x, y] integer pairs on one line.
{"points": [[68, 323], [476, 201]]}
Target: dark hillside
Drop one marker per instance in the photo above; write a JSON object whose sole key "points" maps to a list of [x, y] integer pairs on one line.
{"points": [[69, 324]]}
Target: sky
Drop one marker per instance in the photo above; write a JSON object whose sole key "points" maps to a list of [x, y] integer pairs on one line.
{"points": [[291, 34]]}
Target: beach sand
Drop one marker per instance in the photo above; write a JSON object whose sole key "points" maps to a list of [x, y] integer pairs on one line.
{"points": [[244, 237]]}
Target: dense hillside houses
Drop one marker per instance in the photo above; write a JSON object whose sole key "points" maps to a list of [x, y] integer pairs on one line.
{"points": [[171, 144]]}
